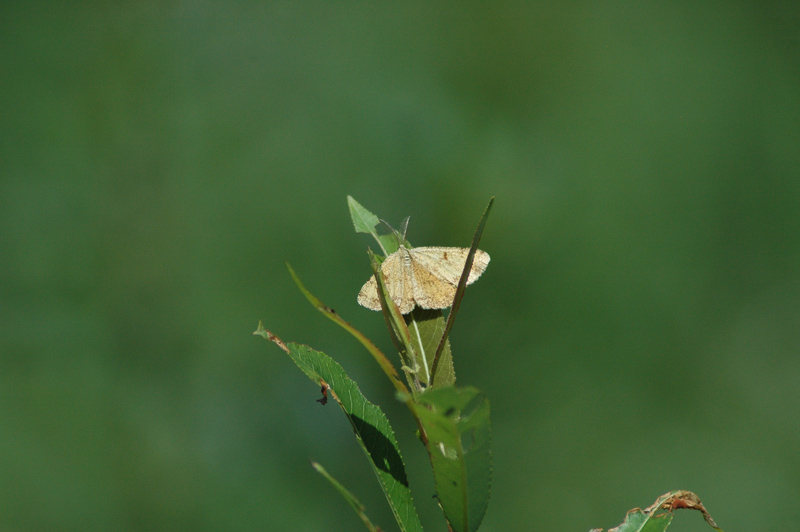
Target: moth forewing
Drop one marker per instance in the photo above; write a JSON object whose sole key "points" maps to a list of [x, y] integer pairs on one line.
{"points": [[368, 295], [430, 290], [398, 283], [448, 263]]}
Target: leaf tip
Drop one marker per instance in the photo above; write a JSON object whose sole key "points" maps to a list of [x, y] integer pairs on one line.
{"points": [[261, 331]]}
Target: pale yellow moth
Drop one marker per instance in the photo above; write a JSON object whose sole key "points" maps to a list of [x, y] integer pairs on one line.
{"points": [[426, 277]]}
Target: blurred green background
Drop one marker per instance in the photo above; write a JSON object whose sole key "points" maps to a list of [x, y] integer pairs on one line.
{"points": [[637, 330]]}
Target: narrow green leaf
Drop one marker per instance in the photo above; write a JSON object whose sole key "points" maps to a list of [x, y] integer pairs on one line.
{"points": [[426, 327], [349, 497], [462, 285], [457, 426], [371, 427], [387, 367]]}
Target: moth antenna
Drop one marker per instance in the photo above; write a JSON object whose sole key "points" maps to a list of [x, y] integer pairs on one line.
{"points": [[404, 227], [400, 236], [387, 224]]}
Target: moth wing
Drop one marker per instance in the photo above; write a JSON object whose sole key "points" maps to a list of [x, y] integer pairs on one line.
{"points": [[368, 295], [398, 284], [448, 263], [397, 274], [431, 291]]}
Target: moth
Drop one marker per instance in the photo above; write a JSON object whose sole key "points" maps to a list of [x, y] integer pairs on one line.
{"points": [[425, 277]]}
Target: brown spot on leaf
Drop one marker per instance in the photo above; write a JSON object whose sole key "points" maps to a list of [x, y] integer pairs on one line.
{"points": [[324, 399]]}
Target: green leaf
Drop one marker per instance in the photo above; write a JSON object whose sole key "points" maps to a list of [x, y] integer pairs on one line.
{"points": [[426, 327], [458, 438], [637, 521], [372, 429], [349, 497], [366, 222], [658, 516], [363, 220]]}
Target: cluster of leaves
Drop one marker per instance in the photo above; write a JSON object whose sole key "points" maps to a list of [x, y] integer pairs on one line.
{"points": [[453, 422]]}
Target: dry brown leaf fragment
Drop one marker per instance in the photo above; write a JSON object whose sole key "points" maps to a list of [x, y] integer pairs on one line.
{"points": [[679, 500]]}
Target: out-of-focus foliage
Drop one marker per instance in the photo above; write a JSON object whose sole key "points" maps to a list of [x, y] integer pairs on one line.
{"points": [[160, 161]]}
